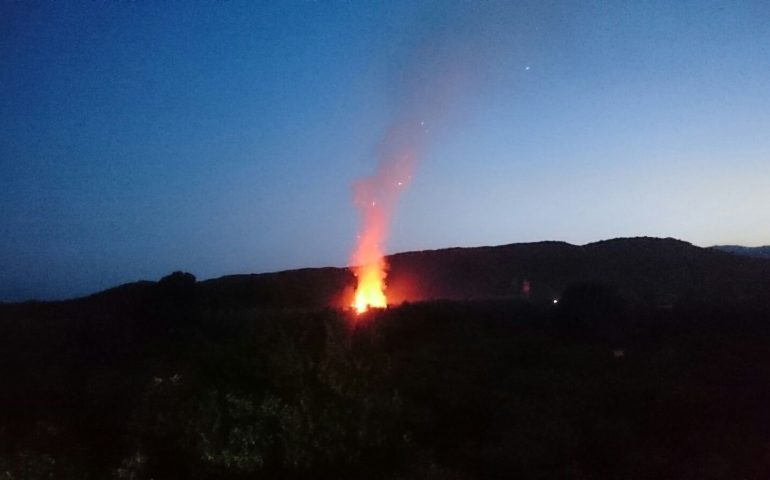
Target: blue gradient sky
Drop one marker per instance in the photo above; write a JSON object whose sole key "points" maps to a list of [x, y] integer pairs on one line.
{"points": [[140, 138]]}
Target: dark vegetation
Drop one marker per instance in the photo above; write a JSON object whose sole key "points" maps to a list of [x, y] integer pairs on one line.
{"points": [[654, 364]]}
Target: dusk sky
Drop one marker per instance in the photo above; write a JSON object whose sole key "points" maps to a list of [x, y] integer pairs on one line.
{"points": [[139, 138]]}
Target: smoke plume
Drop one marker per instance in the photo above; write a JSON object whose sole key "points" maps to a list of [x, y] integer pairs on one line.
{"points": [[444, 66]]}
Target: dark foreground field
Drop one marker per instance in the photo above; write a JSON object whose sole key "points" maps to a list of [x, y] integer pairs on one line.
{"points": [[592, 388]]}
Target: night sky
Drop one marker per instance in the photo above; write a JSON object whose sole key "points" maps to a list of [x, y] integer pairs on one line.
{"points": [[139, 138]]}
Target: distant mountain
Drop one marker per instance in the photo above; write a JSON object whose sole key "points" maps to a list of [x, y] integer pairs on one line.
{"points": [[651, 270], [643, 270], [760, 252]]}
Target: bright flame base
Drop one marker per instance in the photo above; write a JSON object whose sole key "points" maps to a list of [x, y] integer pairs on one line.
{"points": [[370, 290]]}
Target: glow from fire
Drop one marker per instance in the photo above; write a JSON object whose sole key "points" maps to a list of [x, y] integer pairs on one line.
{"points": [[370, 267], [375, 198], [370, 291]]}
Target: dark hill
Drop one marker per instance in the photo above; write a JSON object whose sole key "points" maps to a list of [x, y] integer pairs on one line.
{"points": [[643, 269], [650, 270]]}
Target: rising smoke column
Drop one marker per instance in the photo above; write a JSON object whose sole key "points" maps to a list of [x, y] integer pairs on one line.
{"points": [[375, 197], [444, 64]]}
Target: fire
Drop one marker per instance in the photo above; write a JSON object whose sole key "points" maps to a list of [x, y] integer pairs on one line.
{"points": [[375, 198], [370, 291], [368, 259]]}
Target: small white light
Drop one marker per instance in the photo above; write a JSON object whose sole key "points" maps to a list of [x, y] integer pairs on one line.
{"points": [[555, 301]]}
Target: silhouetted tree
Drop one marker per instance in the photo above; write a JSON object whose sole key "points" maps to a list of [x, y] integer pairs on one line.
{"points": [[177, 298], [178, 285]]}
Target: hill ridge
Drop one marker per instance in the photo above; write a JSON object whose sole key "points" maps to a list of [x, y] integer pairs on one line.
{"points": [[650, 269]]}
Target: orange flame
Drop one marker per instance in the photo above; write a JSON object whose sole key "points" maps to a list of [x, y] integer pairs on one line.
{"points": [[370, 266], [370, 291], [375, 198]]}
